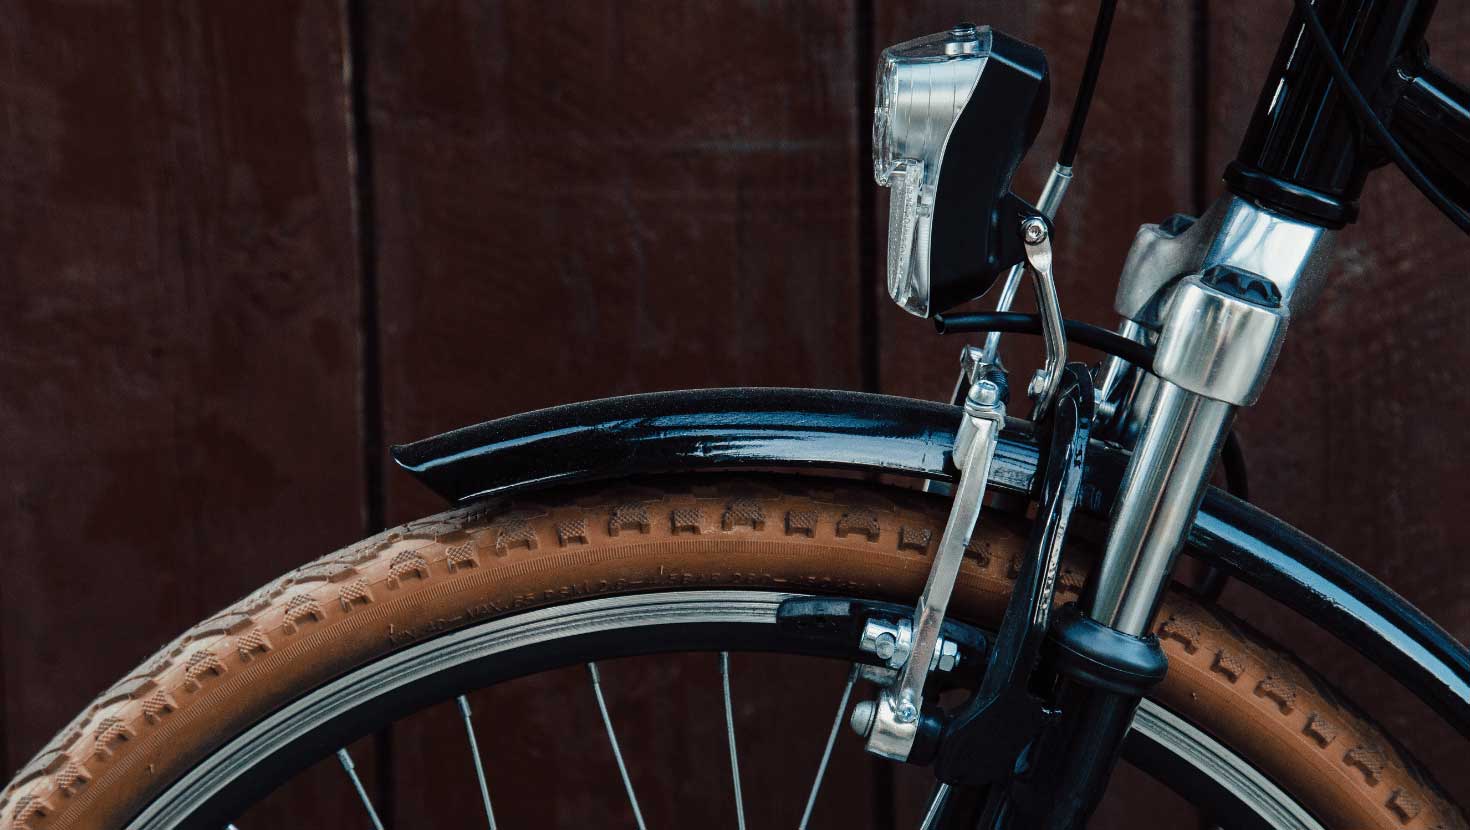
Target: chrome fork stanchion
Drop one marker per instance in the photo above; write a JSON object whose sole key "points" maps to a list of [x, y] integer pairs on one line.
{"points": [[1220, 326], [1155, 505]]}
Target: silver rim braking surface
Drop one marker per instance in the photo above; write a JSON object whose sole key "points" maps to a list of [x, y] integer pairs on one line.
{"points": [[1184, 741]]}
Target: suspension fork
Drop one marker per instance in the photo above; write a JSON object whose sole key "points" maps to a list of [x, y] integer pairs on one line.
{"points": [[1246, 272], [1218, 295]]}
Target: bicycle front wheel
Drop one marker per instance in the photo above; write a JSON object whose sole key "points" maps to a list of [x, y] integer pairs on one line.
{"points": [[482, 594]]}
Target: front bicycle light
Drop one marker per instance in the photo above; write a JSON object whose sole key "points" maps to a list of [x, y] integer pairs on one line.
{"points": [[954, 113]]}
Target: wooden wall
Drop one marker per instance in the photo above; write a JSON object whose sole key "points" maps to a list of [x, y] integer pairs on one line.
{"points": [[243, 247]]}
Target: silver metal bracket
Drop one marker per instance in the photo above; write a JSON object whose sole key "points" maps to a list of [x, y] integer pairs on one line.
{"points": [[1051, 199], [1037, 238], [894, 642], [894, 721]]}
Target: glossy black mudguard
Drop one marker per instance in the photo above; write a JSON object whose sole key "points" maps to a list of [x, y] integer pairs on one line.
{"points": [[774, 428]]}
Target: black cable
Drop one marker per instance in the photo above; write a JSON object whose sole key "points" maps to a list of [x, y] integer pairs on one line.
{"points": [[1095, 337], [1375, 125], [1090, 71], [1232, 462]]}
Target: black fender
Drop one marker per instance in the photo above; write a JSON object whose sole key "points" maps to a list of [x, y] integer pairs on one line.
{"points": [[711, 429]]}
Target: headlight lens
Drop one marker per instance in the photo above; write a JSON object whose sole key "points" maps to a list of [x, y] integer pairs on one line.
{"points": [[923, 86]]}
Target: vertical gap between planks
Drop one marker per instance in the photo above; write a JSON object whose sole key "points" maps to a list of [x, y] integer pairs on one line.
{"points": [[867, 263], [370, 370], [864, 67], [1199, 111], [5, 768]]}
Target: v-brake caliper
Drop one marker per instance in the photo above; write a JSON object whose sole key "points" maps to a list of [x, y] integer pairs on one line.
{"points": [[897, 724]]}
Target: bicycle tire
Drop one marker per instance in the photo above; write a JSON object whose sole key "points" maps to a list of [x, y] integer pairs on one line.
{"points": [[495, 560]]}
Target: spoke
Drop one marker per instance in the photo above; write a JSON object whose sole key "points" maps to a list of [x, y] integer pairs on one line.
{"points": [[811, 799], [469, 729], [367, 803], [936, 807], [730, 730], [612, 738]]}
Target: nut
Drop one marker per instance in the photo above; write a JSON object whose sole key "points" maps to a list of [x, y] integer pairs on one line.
{"points": [[1038, 384], [949, 656]]}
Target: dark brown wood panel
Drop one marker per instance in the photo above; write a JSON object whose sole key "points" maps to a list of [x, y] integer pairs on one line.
{"points": [[179, 348], [580, 200], [1360, 438], [593, 199]]}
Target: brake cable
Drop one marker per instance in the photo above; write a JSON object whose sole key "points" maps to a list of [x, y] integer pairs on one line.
{"points": [[1090, 72]]}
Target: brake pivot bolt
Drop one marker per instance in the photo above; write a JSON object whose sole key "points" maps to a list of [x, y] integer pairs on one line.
{"points": [[906, 712], [885, 646], [1033, 230]]}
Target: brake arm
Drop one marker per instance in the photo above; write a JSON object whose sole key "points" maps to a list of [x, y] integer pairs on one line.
{"points": [[982, 742], [896, 722]]}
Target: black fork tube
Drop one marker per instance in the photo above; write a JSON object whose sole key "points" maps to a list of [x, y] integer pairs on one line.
{"points": [[1304, 153]]}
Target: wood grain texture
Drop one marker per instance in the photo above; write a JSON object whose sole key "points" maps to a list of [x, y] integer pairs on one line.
{"points": [[581, 200], [1360, 437], [178, 350], [594, 199]]}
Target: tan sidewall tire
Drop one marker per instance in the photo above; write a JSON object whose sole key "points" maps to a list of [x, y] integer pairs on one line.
{"points": [[788, 534]]}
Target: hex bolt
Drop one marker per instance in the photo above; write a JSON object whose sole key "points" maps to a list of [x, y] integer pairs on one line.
{"points": [[984, 393], [1038, 383], [1033, 230], [863, 715], [885, 646]]}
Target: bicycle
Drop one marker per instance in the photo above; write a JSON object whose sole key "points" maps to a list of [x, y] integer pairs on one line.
{"points": [[542, 566]]}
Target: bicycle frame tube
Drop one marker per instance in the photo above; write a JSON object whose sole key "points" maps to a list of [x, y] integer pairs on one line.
{"points": [[1304, 153], [733, 429]]}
